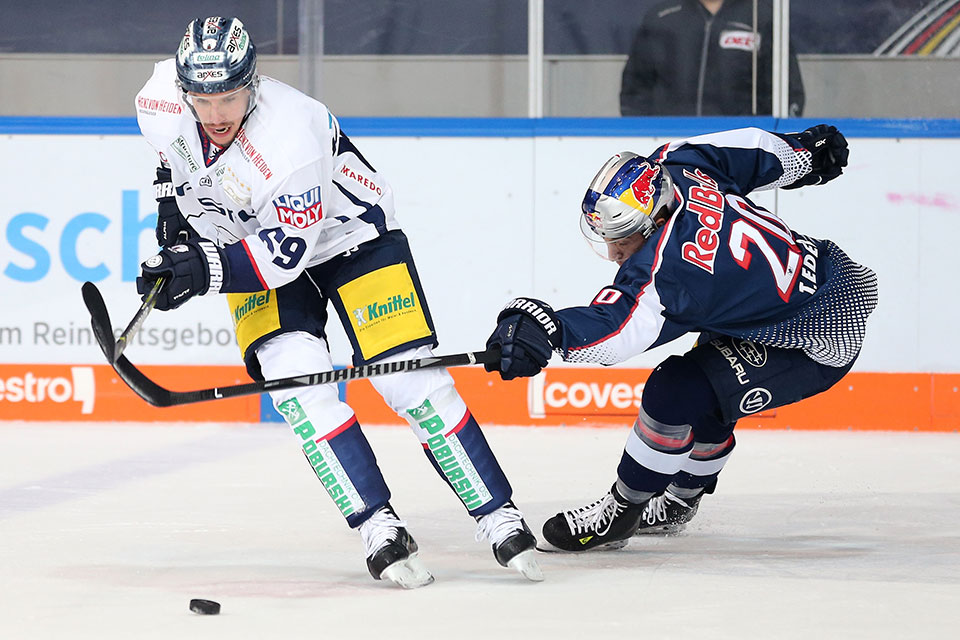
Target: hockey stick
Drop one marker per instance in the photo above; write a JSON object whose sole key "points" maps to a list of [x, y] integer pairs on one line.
{"points": [[160, 397], [100, 319]]}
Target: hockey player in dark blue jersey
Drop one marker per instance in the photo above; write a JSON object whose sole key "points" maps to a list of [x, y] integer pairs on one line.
{"points": [[781, 315]]}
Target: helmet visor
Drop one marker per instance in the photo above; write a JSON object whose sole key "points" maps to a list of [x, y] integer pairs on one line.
{"points": [[240, 100]]}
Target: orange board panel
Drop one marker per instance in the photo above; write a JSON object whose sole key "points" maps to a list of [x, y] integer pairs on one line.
{"points": [[571, 396], [94, 393], [609, 397]]}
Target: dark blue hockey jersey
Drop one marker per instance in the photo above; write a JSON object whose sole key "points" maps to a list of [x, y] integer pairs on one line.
{"points": [[724, 265]]}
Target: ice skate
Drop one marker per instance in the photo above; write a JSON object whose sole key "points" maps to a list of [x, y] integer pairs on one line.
{"points": [[607, 523], [514, 545], [667, 514], [392, 551]]}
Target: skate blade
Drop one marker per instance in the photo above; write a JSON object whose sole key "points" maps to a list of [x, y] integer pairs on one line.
{"points": [[668, 530], [409, 573], [525, 563], [609, 546]]}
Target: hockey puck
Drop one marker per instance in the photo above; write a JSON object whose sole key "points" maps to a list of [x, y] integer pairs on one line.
{"points": [[206, 607]]}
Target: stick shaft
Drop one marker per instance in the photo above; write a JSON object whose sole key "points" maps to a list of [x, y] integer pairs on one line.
{"points": [[162, 397], [127, 336]]}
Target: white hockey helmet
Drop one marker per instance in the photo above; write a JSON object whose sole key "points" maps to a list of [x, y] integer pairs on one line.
{"points": [[628, 195]]}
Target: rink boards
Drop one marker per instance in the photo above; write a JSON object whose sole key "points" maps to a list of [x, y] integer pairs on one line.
{"points": [[559, 396], [490, 207]]}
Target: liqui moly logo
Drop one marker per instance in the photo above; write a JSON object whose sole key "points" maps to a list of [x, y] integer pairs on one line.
{"points": [[31, 388], [300, 211]]}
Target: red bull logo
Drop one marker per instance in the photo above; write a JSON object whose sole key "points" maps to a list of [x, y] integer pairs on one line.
{"points": [[593, 219], [643, 188]]}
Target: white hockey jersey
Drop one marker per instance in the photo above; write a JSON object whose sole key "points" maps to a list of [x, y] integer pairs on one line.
{"points": [[290, 192]]}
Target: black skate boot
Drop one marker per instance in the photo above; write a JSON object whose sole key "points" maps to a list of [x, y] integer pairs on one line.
{"points": [[392, 551], [668, 514], [608, 523], [514, 545]]}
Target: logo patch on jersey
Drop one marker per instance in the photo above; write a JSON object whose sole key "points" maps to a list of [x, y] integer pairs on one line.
{"points": [[753, 353], [362, 179], [706, 202], [731, 357], [742, 40], [300, 211], [755, 400], [254, 316], [182, 149], [153, 106], [386, 308], [250, 153], [642, 189]]}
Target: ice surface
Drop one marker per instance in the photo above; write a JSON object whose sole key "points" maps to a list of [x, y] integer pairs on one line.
{"points": [[108, 531]]}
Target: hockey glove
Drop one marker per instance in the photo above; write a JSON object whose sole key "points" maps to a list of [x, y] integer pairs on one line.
{"points": [[527, 333], [172, 227], [828, 151], [194, 268]]}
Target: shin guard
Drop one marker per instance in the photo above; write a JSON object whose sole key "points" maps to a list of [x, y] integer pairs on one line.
{"points": [[455, 445], [344, 463]]}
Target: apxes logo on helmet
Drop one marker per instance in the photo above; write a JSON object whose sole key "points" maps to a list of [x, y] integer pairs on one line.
{"points": [[755, 400], [753, 353], [203, 75], [238, 40], [300, 211]]}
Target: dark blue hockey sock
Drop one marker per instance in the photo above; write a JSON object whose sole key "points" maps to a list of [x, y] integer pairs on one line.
{"points": [[465, 461], [347, 467]]}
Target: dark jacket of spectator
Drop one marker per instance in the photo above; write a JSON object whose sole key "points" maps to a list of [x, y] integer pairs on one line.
{"points": [[686, 61]]}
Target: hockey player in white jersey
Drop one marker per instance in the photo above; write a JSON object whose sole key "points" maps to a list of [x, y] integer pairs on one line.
{"points": [[781, 315], [263, 198]]}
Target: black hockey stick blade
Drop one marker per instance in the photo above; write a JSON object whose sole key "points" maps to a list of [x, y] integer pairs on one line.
{"points": [[99, 319], [158, 396]]}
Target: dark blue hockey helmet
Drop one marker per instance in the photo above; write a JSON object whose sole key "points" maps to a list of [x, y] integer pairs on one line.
{"points": [[217, 56]]}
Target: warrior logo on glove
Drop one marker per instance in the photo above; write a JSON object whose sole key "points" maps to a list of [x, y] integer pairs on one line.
{"points": [[534, 310]]}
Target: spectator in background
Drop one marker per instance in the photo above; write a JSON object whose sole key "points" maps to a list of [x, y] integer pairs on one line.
{"points": [[695, 57]]}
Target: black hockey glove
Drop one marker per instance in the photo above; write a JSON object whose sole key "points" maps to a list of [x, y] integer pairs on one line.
{"points": [[172, 227], [829, 154], [527, 333], [190, 269]]}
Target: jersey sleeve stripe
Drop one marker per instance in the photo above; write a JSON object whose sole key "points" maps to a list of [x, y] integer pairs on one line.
{"points": [[253, 263]]}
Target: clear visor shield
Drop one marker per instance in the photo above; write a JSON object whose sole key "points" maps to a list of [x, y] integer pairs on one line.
{"points": [[612, 249], [609, 226], [242, 99]]}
